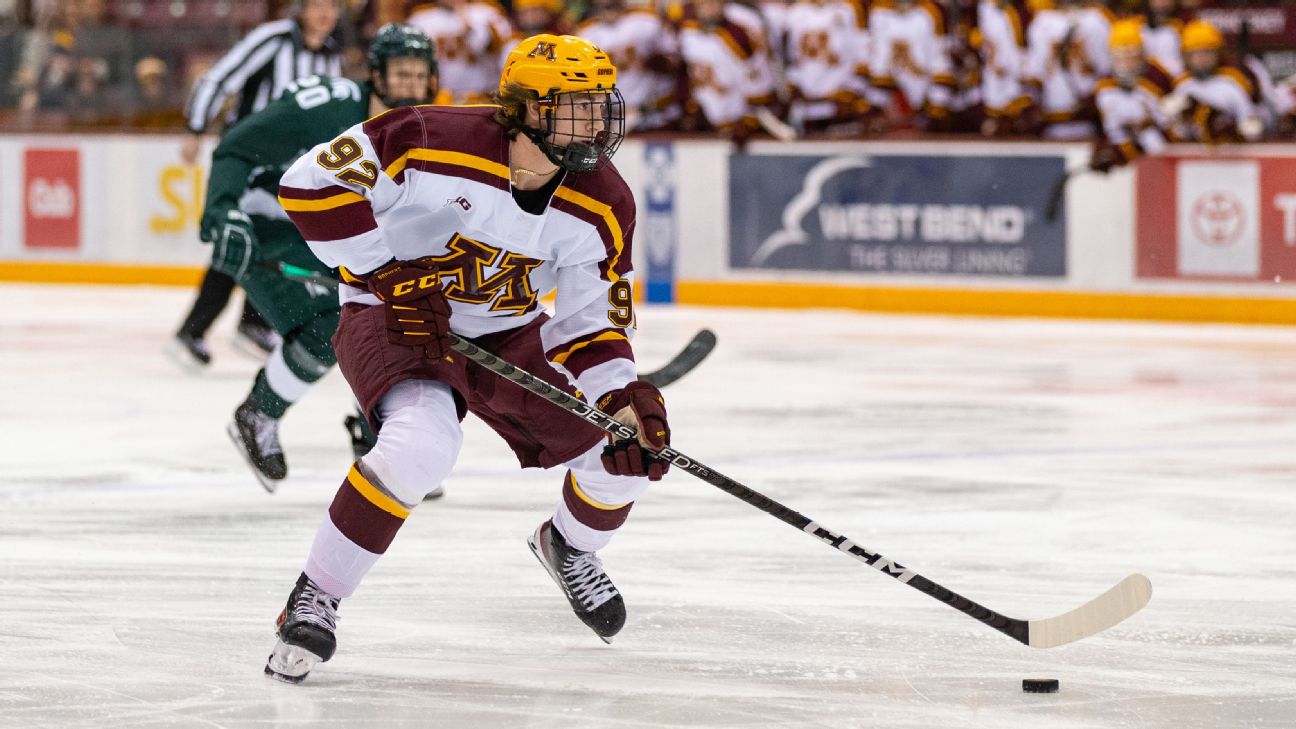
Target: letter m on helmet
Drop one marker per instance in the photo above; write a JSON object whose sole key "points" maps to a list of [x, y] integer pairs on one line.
{"points": [[544, 49]]}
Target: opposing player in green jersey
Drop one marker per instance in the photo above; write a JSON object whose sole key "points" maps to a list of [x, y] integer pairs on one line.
{"points": [[251, 234]]}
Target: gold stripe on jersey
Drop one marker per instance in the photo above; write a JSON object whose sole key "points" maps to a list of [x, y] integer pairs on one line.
{"points": [[604, 211], [459, 159], [1147, 85], [562, 357], [938, 20], [734, 46], [1014, 19], [327, 203], [376, 497]]}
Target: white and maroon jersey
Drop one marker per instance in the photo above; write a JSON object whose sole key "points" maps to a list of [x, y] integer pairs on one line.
{"points": [[765, 81], [1064, 83], [726, 68], [1162, 45], [642, 48], [826, 50], [1132, 117], [908, 52], [1278, 99], [469, 42], [1231, 91], [1003, 53], [434, 181]]}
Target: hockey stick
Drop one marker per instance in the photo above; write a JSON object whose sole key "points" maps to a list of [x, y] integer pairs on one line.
{"points": [[1120, 602], [681, 364], [776, 127], [1057, 194]]}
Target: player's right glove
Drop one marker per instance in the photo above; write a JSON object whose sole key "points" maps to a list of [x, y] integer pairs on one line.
{"points": [[639, 404], [418, 314], [233, 242]]}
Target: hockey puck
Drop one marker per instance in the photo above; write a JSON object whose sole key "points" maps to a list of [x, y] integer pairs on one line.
{"points": [[1040, 685]]}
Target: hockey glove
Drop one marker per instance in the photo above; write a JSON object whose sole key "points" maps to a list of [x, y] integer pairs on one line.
{"points": [[638, 404], [418, 314], [233, 242]]}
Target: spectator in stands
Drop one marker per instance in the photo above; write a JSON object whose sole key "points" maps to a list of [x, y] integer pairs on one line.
{"points": [[728, 69], [151, 101], [826, 65], [1066, 55], [1009, 108], [533, 17], [469, 36], [10, 52], [1161, 32], [909, 58], [646, 53], [254, 73]]}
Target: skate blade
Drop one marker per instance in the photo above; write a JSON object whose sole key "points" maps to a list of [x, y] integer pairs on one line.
{"points": [[290, 663], [270, 485], [248, 347], [180, 354], [535, 549]]}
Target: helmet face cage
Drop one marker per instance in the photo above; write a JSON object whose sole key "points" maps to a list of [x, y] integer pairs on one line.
{"points": [[565, 119]]}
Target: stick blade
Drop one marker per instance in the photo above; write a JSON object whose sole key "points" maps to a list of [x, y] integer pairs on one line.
{"points": [[690, 357], [1127, 597]]}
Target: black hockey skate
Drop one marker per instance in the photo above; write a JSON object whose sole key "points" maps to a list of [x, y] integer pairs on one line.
{"points": [[256, 435], [591, 593], [305, 630], [255, 340], [188, 351]]}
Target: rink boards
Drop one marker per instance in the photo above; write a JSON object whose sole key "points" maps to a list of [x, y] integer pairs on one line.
{"points": [[954, 227]]}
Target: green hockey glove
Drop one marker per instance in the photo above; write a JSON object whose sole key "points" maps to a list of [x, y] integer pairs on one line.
{"points": [[233, 243]]}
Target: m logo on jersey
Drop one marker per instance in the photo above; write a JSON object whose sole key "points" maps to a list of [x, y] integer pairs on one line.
{"points": [[461, 201], [543, 48], [508, 289]]}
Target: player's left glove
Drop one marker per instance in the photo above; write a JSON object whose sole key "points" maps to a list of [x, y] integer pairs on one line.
{"points": [[233, 242], [639, 404]]}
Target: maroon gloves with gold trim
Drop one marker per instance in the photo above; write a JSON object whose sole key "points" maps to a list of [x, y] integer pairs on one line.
{"points": [[418, 314], [639, 404]]}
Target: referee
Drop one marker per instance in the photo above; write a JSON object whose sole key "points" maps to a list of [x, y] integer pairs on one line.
{"points": [[254, 72]]}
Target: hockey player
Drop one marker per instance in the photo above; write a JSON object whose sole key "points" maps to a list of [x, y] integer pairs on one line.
{"points": [[1161, 32], [1003, 52], [908, 57], [469, 36], [1129, 101], [826, 63], [1066, 55], [253, 73], [1214, 102], [646, 53], [730, 75], [251, 233], [459, 219]]}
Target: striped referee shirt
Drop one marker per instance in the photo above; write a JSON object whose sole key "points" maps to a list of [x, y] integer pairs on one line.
{"points": [[257, 69]]}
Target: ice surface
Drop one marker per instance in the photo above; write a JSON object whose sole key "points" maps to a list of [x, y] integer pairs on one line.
{"points": [[1026, 464]]}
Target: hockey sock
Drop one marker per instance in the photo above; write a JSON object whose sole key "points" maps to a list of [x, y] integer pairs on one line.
{"points": [[586, 523], [362, 521], [289, 372]]}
